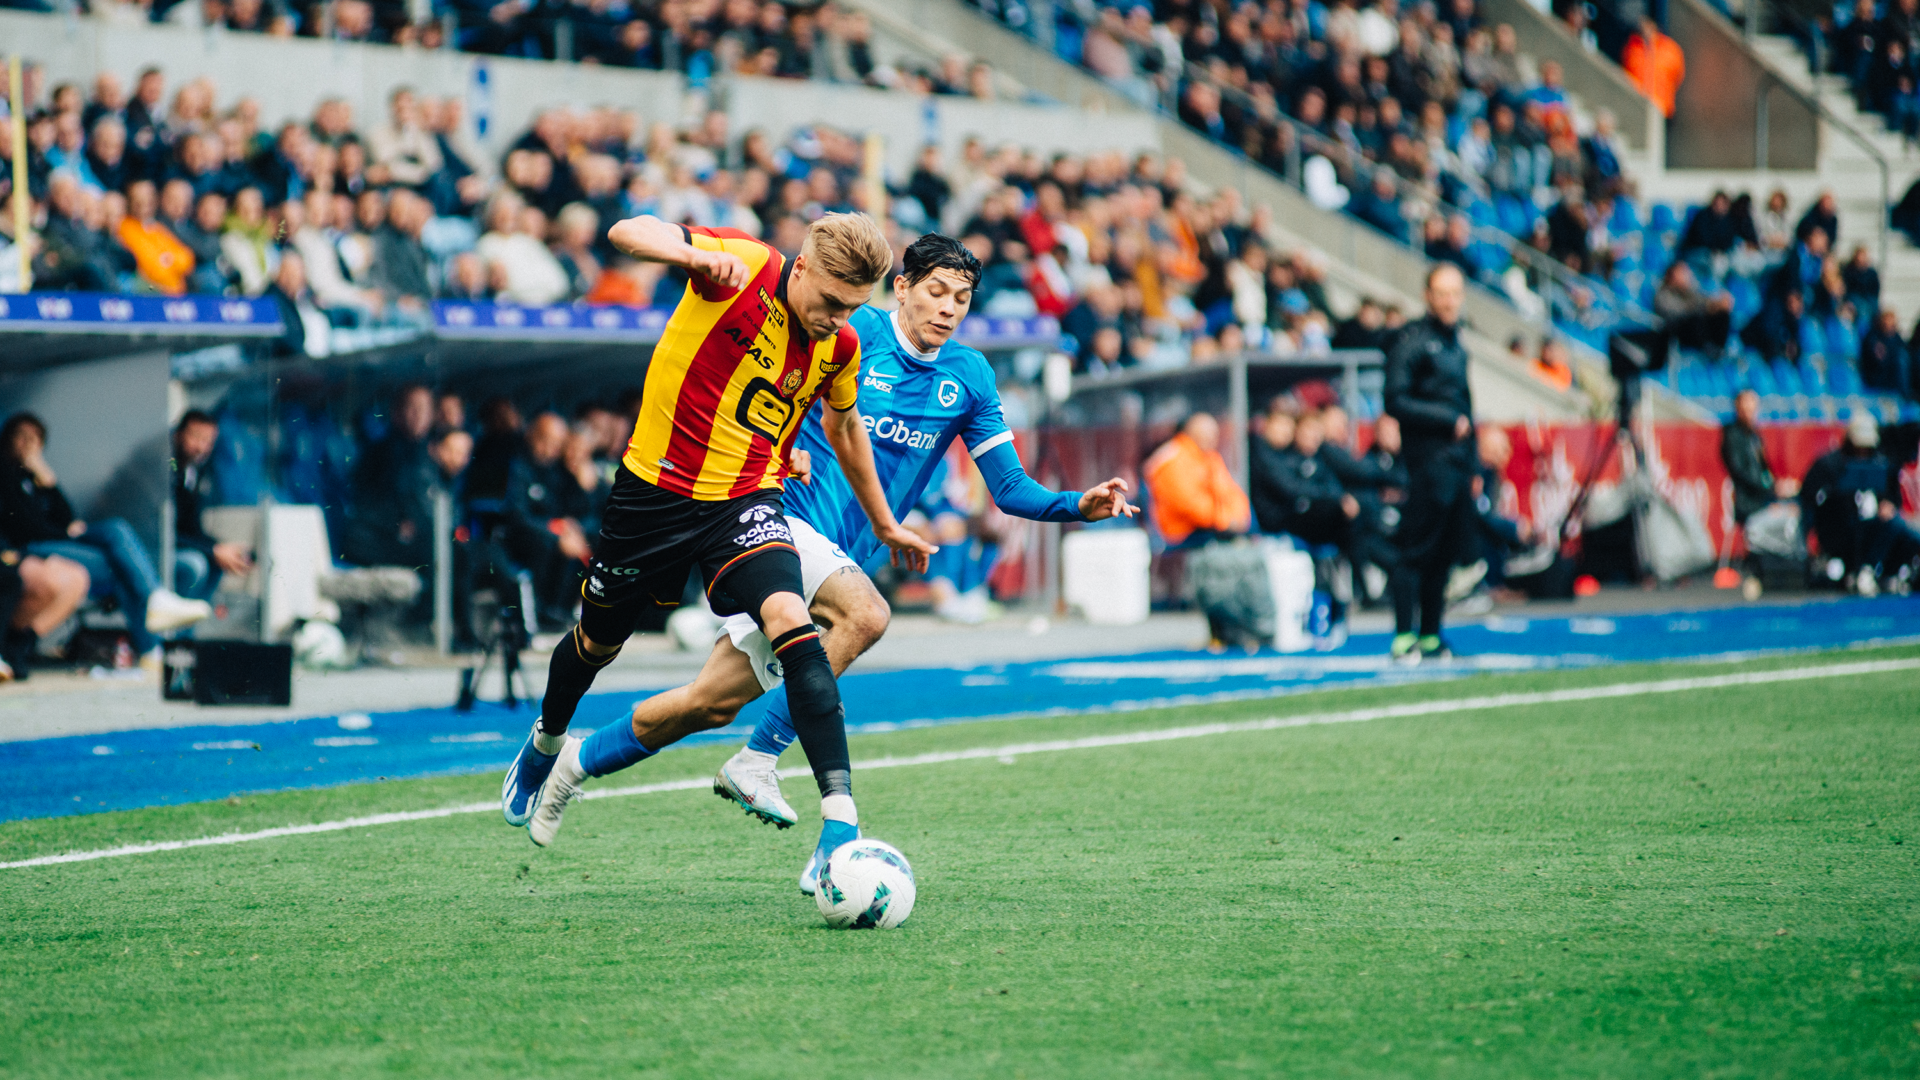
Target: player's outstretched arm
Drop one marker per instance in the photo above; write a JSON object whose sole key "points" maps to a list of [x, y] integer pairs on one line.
{"points": [[650, 239], [1020, 495], [848, 436]]}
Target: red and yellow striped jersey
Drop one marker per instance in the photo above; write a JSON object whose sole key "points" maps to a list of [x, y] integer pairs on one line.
{"points": [[731, 379]]}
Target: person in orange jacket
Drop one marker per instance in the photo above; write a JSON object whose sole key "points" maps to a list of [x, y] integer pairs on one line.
{"points": [[163, 261], [1655, 63], [1191, 492]]}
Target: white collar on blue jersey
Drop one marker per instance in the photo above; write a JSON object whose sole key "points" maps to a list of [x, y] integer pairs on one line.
{"points": [[906, 343]]}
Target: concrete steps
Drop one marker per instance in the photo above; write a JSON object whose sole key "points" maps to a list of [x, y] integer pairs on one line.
{"points": [[1845, 167]]}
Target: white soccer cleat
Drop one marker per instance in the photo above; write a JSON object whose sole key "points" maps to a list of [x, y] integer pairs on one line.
{"points": [[561, 788], [168, 611], [748, 778]]}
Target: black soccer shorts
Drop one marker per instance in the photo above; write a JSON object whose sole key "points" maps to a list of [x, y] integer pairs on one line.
{"points": [[650, 538]]}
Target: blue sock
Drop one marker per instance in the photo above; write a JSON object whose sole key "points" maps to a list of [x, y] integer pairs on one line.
{"points": [[835, 833], [612, 748], [774, 733]]}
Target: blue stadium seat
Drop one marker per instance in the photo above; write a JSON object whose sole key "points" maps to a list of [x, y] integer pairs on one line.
{"points": [[1787, 379], [1841, 376], [1661, 217]]}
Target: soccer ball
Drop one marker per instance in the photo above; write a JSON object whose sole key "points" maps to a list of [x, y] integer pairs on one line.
{"points": [[865, 884]]}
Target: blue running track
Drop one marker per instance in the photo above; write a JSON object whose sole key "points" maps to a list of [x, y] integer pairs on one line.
{"points": [[157, 767]]}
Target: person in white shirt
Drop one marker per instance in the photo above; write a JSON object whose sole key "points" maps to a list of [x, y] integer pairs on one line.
{"points": [[515, 251]]}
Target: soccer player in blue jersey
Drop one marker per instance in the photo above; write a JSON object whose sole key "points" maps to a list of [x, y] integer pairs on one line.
{"points": [[919, 391]]}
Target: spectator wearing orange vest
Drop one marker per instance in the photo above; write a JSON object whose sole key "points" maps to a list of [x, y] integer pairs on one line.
{"points": [[1655, 64], [1192, 494], [163, 261]]}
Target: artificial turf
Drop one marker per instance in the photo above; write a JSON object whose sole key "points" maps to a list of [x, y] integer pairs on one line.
{"points": [[1712, 883]]}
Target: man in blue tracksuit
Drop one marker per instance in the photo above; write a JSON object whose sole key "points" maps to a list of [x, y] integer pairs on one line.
{"points": [[919, 391]]}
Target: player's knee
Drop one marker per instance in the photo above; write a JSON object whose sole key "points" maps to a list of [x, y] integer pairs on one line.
{"points": [[865, 621], [783, 612]]}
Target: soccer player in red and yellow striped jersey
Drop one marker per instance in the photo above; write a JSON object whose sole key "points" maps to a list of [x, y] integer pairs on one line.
{"points": [[754, 341]]}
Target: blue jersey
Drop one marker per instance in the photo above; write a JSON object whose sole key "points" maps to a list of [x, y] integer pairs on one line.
{"points": [[914, 405]]}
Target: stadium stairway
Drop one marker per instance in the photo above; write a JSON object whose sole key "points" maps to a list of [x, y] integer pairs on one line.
{"points": [[1843, 166], [1361, 261]]}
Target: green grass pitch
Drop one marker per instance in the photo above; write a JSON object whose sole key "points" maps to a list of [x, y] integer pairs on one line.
{"points": [[1717, 883]]}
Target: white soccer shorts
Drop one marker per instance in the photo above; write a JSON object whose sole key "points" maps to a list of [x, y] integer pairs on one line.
{"points": [[820, 559]]}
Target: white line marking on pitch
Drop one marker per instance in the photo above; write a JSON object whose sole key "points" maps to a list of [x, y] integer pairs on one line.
{"points": [[1012, 751]]}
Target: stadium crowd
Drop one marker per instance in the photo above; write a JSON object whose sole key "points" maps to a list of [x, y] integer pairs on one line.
{"points": [[346, 224]]}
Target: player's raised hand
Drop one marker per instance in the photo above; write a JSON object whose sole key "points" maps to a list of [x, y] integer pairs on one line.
{"points": [[907, 549], [800, 466], [1103, 501], [723, 268]]}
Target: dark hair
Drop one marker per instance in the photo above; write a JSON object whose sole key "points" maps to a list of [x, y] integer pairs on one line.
{"points": [[12, 427], [936, 251], [195, 416]]}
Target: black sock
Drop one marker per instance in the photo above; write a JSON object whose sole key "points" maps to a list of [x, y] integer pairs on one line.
{"points": [[814, 700], [1433, 598], [569, 676], [1403, 584]]}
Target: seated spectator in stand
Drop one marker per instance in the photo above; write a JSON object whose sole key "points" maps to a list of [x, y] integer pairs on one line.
{"points": [[1850, 502], [311, 231], [402, 150], [391, 519], [1712, 231], [1551, 365], [1884, 360], [1862, 281], [1823, 215], [1744, 454], [542, 534], [164, 263], [1655, 63], [36, 517], [576, 231], [1696, 320], [402, 272], [515, 248], [1379, 205], [73, 253], [1195, 499], [198, 559], [1775, 333], [247, 241], [308, 333], [201, 234]]}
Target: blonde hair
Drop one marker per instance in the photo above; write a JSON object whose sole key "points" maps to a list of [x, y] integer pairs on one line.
{"points": [[850, 247]]}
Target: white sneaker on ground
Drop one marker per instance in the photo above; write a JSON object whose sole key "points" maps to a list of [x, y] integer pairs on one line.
{"points": [[561, 788], [748, 778], [168, 611], [1865, 583]]}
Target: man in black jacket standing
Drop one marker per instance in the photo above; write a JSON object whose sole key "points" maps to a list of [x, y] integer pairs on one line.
{"points": [[1426, 391]]}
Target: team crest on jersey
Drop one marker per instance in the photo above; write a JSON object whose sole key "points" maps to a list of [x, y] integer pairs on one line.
{"points": [[948, 393], [790, 385]]}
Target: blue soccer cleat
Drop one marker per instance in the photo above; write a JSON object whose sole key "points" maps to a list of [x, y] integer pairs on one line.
{"points": [[520, 791], [832, 835]]}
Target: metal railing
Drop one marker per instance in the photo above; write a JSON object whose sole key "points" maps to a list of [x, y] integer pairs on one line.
{"points": [[1756, 13], [1556, 273]]}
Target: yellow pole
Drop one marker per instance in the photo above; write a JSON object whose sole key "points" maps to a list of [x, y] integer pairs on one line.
{"points": [[22, 209], [873, 178]]}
